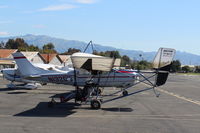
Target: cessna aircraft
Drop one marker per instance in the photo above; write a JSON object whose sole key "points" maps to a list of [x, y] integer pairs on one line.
{"points": [[92, 72], [14, 75]]}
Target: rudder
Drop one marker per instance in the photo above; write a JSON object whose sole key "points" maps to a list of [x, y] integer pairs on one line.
{"points": [[24, 66], [162, 64]]}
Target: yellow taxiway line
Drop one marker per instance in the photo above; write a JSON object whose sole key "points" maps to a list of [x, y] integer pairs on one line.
{"points": [[179, 97]]}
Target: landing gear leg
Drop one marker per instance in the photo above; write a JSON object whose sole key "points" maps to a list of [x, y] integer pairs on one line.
{"points": [[51, 103], [156, 93]]}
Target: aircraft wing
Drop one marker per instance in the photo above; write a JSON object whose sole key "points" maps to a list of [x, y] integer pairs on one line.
{"points": [[92, 62]]}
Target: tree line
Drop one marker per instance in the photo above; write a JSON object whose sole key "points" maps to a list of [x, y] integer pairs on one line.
{"points": [[126, 61]]}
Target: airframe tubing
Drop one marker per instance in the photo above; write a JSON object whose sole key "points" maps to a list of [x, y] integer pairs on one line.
{"points": [[142, 81], [145, 79]]}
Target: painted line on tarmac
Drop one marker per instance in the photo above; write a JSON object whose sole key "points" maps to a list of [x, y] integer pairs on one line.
{"points": [[141, 117], [4, 116], [134, 116], [180, 97], [37, 91]]}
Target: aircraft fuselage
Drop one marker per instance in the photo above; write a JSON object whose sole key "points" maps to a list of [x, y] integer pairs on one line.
{"points": [[112, 79]]}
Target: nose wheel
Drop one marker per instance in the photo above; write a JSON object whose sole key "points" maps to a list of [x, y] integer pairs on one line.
{"points": [[125, 93]]}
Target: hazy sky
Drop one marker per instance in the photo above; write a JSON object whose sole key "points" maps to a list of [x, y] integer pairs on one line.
{"points": [[129, 24]]}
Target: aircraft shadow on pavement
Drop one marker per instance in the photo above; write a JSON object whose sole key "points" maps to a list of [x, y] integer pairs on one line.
{"points": [[62, 110], [13, 89], [18, 92], [113, 109], [42, 110], [61, 94]]}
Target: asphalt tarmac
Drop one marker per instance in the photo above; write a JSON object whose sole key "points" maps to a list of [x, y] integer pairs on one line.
{"points": [[177, 110]]}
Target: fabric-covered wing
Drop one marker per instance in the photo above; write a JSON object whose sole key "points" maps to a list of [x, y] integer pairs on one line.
{"points": [[92, 62]]}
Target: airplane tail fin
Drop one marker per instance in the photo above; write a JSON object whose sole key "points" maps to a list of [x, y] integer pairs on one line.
{"points": [[162, 64], [24, 66]]}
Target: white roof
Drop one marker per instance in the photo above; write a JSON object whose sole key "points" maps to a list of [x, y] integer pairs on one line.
{"points": [[65, 58], [29, 55]]}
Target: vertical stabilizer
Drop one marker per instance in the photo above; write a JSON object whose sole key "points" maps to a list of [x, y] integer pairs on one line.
{"points": [[162, 63], [24, 66], [163, 58]]}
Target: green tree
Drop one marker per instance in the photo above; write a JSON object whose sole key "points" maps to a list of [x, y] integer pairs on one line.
{"points": [[125, 60], [143, 65], [98, 53], [18, 43], [186, 69], [33, 48], [70, 51], [197, 69], [48, 48], [134, 64], [176, 66], [112, 54], [10, 44]]}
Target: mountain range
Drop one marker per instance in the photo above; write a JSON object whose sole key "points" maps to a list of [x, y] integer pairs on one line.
{"points": [[62, 45]]}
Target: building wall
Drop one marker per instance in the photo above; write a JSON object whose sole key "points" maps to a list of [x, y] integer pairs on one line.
{"points": [[68, 62], [55, 61], [37, 59], [10, 56]]}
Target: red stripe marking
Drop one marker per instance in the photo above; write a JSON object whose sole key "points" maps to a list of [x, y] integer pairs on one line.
{"points": [[126, 72], [22, 57]]}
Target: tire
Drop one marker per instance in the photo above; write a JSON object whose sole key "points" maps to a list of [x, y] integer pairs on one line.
{"points": [[125, 93], [95, 104]]}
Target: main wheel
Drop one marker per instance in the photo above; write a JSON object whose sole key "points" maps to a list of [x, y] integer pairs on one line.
{"points": [[95, 104], [125, 93]]}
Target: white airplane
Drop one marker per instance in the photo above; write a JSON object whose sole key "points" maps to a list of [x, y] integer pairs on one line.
{"points": [[99, 74], [14, 75]]}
